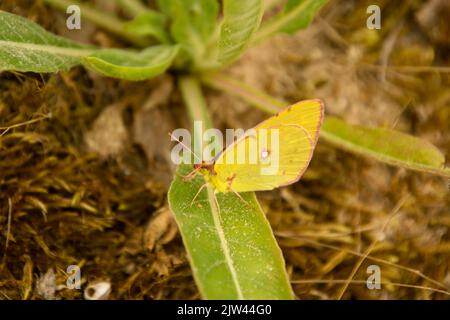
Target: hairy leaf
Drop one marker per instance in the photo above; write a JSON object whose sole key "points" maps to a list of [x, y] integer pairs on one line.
{"points": [[297, 15], [386, 145], [149, 23], [241, 20], [25, 46], [193, 23], [232, 250], [132, 66]]}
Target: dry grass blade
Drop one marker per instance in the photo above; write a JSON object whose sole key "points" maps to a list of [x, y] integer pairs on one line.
{"points": [[369, 257], [364, 282], [21, 124], [370, 248]]}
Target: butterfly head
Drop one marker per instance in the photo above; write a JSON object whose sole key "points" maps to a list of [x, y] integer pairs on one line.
{"points": [[205, 167]]}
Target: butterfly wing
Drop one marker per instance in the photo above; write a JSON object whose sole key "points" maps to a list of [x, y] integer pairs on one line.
{"points": [[308, 114], [292, 157], [296, 129]]}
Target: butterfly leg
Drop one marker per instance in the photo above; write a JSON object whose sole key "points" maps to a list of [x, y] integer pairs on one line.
{"points": [[240, 197], [191, 175], [197, 194]]}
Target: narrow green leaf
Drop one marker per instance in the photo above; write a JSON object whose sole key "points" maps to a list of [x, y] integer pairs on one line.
{"points": [[241, 20], [26, 46], [129, 65], [297, 15], [193, 23], [385, 145], [306, 11], [232, 250], [389, 146], [149, 23]]}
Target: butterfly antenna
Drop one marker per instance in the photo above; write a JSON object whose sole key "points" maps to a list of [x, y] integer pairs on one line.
{"points": [[184, 146], [191, 175]]}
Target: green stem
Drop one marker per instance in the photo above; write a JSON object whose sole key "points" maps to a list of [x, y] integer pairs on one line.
{"points": [[272, 26], [132, 7], [194, 99], [249, 94], [108, 22]]}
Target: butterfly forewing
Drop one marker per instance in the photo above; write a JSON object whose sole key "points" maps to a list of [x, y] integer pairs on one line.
{"points": [[275, 153], [274, 166], [308, 114]]}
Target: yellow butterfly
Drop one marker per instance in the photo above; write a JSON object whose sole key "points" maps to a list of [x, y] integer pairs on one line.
{"points": [[297, 130]]}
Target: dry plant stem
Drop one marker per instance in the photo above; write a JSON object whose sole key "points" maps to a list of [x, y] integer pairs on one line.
{"points": [[272, 27], [101, 19], [26, 122], [8, 231], [369, 257], [409, 69]]}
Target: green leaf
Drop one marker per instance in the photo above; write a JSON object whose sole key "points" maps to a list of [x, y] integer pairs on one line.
{"points": [[193, 23], [241, 20], [385, 145], [305, 12], [150, 23], [130, 65], [25, 46], [297, 15], [230, 244]]}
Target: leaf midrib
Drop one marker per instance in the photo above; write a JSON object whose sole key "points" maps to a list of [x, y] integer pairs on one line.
{"points": [[215, 211], [71, 52]]}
